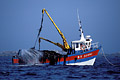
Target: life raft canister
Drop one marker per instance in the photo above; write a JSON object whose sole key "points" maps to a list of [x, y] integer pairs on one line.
{"points": [[15, 60]]}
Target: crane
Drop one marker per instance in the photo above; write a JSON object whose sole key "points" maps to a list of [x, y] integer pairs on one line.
{"points": [[65, 45], [57, 44]]}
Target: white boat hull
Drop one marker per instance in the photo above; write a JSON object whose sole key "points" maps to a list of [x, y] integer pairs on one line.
{"points": [[89, 62]]}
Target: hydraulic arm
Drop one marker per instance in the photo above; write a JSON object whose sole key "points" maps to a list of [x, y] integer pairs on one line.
{"points": [[57, 44], [65, 44]]}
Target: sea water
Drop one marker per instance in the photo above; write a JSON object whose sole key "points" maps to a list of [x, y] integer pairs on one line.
{"points": [[101, 70]]}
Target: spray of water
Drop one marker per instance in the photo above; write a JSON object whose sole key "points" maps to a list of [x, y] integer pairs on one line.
{"points": [[34, 57], [30, 56]]}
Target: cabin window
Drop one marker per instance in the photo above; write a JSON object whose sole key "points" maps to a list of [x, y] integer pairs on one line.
{"points": [[89, 43], [80, 44], [77, 45], [87, 39]]}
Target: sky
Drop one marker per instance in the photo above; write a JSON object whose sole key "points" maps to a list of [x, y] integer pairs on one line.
{"points": [[20, 22]]}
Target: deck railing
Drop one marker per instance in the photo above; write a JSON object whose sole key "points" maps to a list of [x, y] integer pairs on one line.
{"points": [[94, 45]]}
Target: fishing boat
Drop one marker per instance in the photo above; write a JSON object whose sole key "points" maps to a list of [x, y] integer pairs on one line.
{"points": [[81, 52]]}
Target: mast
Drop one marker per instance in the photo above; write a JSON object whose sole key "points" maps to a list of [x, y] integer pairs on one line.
{"points": [[79, 22]]}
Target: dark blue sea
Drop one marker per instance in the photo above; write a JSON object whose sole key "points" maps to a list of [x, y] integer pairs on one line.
{"points": [[101, 70]]}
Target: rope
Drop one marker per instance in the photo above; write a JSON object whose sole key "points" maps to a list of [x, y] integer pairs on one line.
{"points": [[107, 58], [39, 31]]}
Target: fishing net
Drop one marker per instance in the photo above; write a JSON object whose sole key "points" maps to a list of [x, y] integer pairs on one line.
{"points": [[30, 56]]}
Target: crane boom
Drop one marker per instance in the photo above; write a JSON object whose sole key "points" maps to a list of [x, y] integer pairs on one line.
{"points": [[57, 44], [66, 46]]}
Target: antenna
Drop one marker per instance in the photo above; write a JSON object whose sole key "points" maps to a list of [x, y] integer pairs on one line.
{"points": [[79, 22]]}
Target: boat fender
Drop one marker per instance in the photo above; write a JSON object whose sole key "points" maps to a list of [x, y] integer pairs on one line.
{"points": [[15, 60]]}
